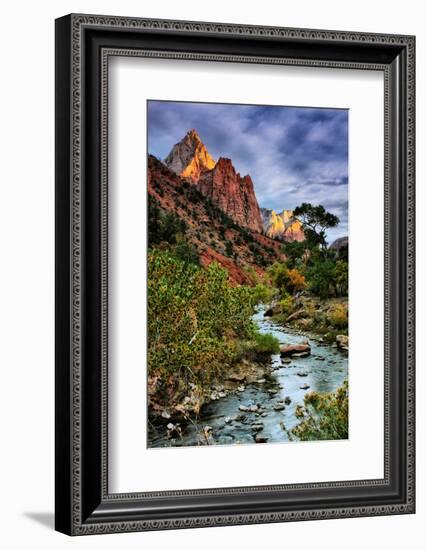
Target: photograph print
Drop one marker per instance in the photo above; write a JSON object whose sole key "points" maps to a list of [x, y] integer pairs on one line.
{"points": [[248, 337]]}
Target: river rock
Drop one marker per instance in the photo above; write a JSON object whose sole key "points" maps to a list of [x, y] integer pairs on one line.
{"points": [[264, 414], [257, 427], [272, 391], [165, 414], [241, 388], [253, 408], [279, 407], [301, 354], [286, 361], [302, 374], [287, 400], [342, 342], [260, 438], [290, 350], [243, 408], [261, 381], [236, 377], [228, 419], [305, 386]]}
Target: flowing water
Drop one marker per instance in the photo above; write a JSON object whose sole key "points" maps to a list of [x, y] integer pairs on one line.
{"points": [[276, 396]]}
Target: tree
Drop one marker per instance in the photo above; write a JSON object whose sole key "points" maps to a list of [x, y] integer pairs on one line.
{"points": [[341, 276], [294, 251], [321, 277], [315, 220], [296, 281]]}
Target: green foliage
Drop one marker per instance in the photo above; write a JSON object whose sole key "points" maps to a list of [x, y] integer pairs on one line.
{"points": [[229, 248], [337, 315], [320, 277], [266, 343], [163, 227], [286, 304], [194, 318], [286, 280], [294, 251], [341, 278], [279, 275], [185, 252], [324, 416], [263, 294]]}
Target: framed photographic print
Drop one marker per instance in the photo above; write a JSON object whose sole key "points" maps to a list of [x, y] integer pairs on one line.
{"points": [[234, 274]]}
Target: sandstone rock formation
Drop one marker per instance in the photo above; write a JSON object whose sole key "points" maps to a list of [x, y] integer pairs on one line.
{"points": [[219, 181], [189, 158], [232, 193], [282, 225]]}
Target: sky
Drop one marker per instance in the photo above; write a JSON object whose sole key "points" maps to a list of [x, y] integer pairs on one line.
{"points": [[293, 154]]}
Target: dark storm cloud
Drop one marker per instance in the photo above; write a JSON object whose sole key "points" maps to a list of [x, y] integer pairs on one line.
{"points": [[293, 154]]}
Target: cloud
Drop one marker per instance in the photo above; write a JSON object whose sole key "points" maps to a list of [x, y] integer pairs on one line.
{"points": [[293, 154]]}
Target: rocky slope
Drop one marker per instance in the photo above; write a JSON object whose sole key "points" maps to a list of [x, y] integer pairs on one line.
{"points": [[339, 243], [281, 225], [210, 231], [219, 181]]}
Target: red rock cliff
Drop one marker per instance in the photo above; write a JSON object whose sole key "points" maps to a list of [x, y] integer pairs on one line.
{"points": [[232, 193]]}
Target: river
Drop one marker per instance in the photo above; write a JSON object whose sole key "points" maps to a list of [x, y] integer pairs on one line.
{"points": [[276, 396]]}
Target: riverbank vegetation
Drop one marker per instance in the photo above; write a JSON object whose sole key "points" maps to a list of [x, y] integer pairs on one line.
{"points": [[312, 283], [202, 341], [323, 416], [199, 326]]}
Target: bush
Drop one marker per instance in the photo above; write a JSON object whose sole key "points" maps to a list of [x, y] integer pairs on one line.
{"points": [[263, 294], [341, 276], [228, 248], [324, 416], [337, 315], [266, 343], [279, 275], [320, 277], [296, 281], [286, 304], [194, 319], [185, 252]]}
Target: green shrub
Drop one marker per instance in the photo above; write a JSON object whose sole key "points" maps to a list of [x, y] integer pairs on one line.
{"points": [[266, 343], [337, 315], [194, 319], [324, 416], [286, 304], [263, 294]]}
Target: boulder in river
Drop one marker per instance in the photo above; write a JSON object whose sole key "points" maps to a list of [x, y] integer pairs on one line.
{"points": [[259, 438], [257, 427], [279, 407], [287, 400], [302, 374], [289, 350], [342, 342], [305, 387], [301, 354]]}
